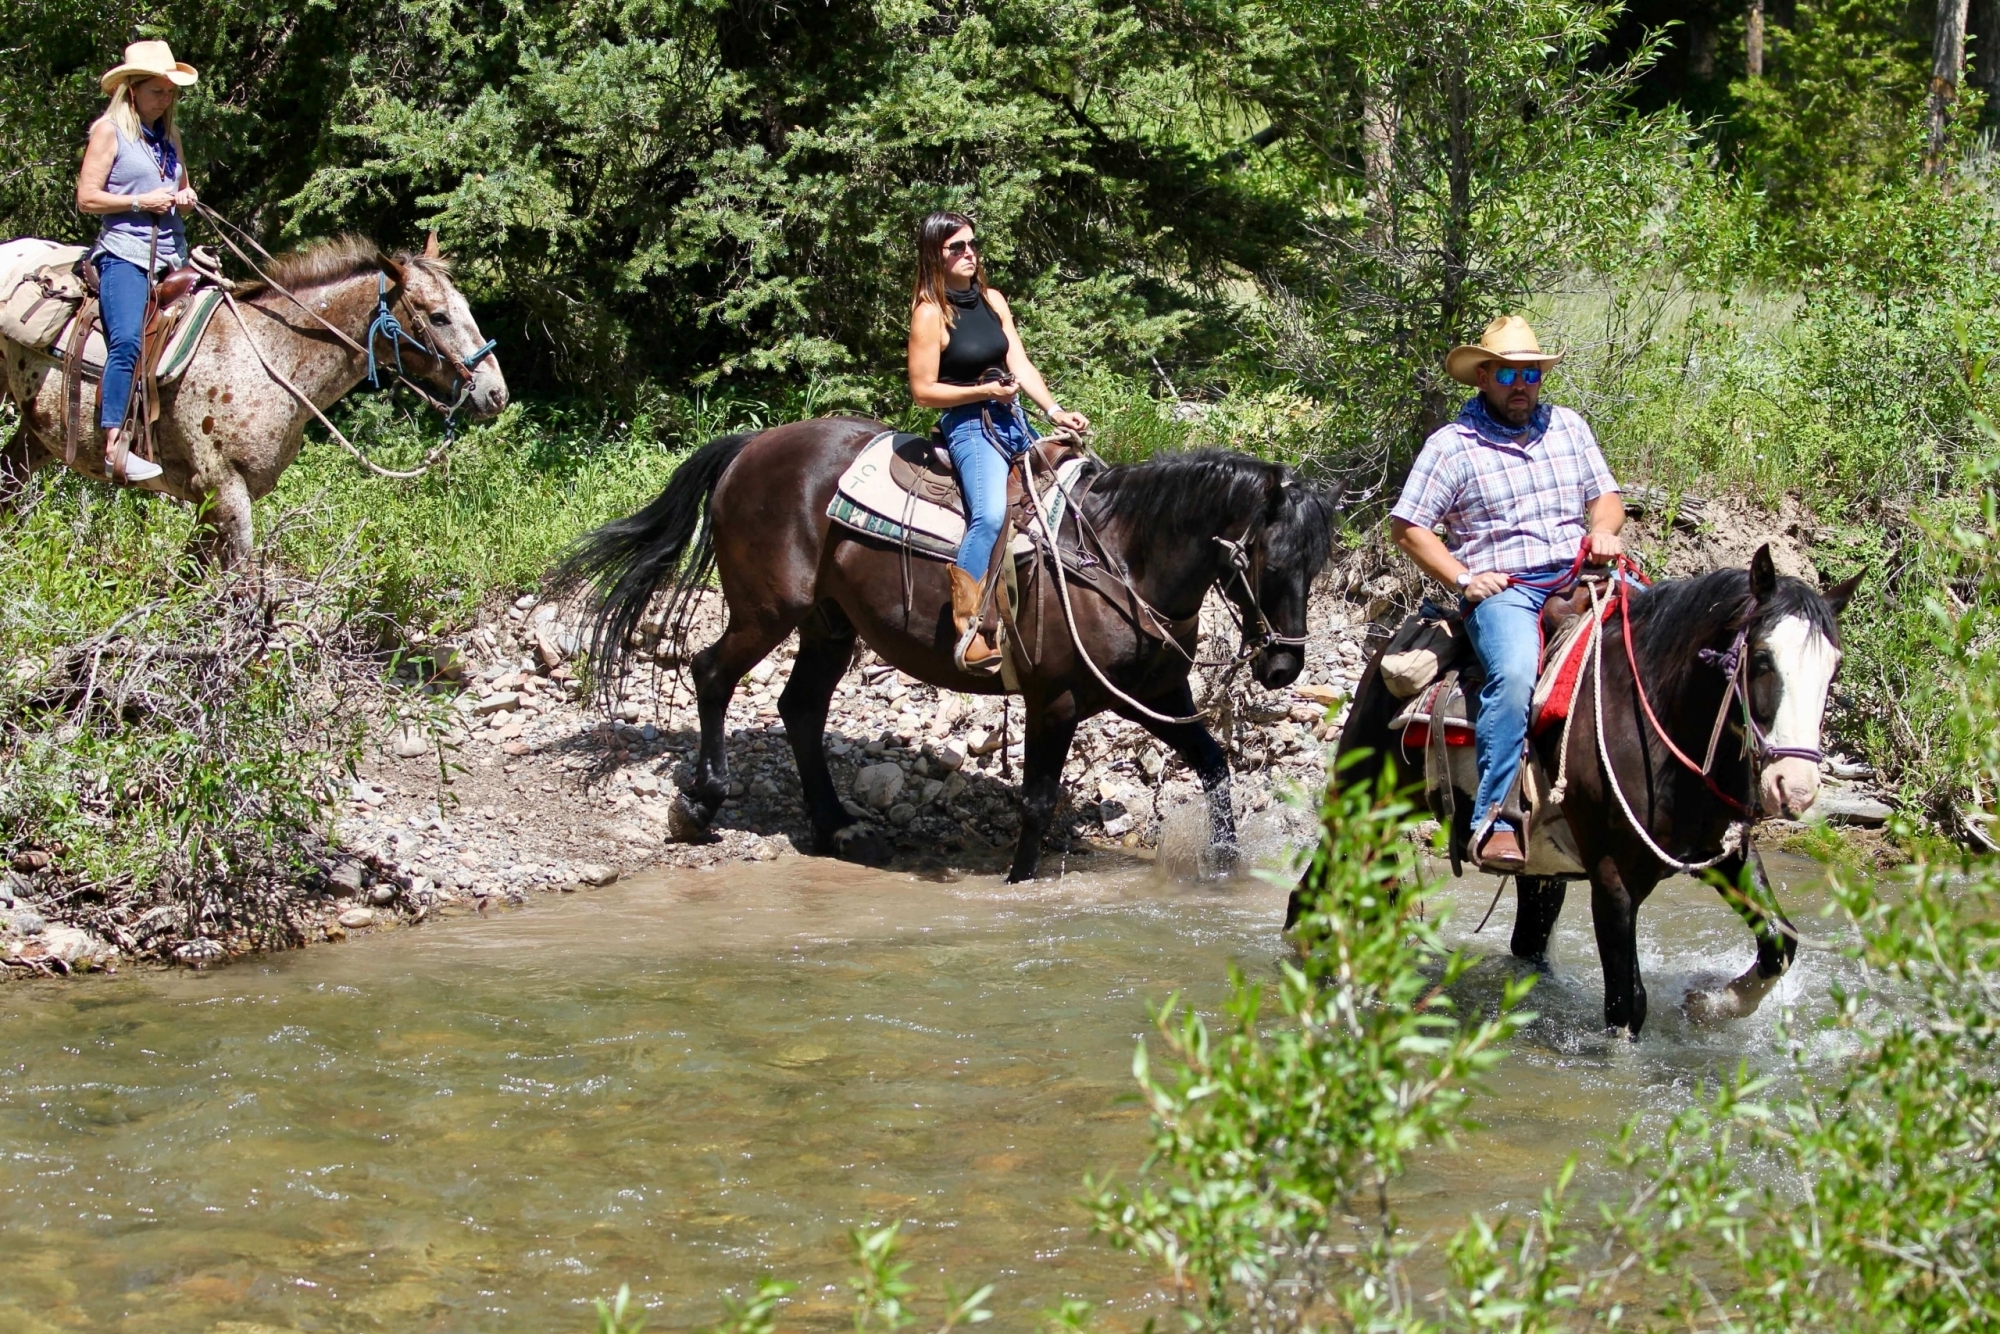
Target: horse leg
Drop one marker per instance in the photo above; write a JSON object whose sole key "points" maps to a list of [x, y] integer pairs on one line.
{"points": [[1048, 731], [823, 658], [1777, 944], [717, 669], [18, 462], [1614, 911], [222, 533], [1199, 750], [1538, 902]]}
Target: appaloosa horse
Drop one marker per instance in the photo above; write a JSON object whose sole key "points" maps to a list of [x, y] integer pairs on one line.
{"points": [[1693, 641], [1180, 523], [227, 428]]}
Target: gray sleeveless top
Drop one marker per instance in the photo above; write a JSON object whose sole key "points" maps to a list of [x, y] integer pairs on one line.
{"points": [[129, 235]]}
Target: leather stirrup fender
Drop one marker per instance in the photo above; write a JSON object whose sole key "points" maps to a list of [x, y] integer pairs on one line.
{"points": [[72, 377]]}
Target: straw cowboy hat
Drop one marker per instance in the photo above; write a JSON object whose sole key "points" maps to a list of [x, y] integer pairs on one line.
{"points": [[148, 60], [1510, 339]]}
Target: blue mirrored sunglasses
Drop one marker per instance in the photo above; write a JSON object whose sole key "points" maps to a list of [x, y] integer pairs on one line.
{"points": [[1525, 374]]}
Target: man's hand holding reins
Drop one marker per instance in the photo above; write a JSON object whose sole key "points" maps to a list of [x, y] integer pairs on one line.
{"points": [[1602, 548], [1485, 583]]}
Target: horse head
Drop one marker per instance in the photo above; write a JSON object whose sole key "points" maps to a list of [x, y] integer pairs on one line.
{"points": [[1791, 632], [456, 359], [1285, 555]]}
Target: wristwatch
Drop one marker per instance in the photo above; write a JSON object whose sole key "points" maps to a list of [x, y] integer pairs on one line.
{"points": [[1464, 580]]}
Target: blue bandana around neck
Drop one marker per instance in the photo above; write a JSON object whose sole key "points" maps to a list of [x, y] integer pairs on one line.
{"points": [[164, 156], [1477, 415]]}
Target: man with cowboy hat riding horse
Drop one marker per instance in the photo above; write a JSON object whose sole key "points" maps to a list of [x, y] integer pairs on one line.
{"points": [[1518, 486]]}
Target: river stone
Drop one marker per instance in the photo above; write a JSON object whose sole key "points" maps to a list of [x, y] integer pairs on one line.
{"points": [[347, 875], [933, 788], [409, 744], [950, 756], [196, 953], [77, 947], [1838, 806], [646, 785], [382, 894], [28, 922], [901, 814], [879, 785], [357, 917], [501, 701], [596, 874]]}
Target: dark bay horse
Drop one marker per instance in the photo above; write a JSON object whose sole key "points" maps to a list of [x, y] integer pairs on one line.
{"points": [[1688, 636], [752, 508]]}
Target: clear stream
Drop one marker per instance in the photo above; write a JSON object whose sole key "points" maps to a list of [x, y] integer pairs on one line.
{"points": [[685, 1081]]}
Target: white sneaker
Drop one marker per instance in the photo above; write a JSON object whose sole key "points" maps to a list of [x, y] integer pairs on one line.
{"points": [[139, 470]]}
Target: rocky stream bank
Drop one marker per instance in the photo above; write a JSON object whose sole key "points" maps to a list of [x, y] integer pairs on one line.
{"points": [[513, 783]]}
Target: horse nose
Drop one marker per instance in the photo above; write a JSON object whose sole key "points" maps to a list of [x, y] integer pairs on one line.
{"points": [[1790, 786], [1276, 670]]}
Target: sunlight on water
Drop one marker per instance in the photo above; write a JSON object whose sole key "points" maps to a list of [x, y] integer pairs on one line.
{"points": [[682, 1083]]}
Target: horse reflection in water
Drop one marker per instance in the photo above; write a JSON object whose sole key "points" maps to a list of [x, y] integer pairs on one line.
{"points": [[1180, 524], [1692, 641]]}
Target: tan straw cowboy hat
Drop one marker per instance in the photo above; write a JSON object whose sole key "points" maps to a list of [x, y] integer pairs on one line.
{"points": [[148, 60], [1508, 338]]}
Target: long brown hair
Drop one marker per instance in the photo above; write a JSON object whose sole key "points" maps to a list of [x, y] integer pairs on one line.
{"points": [[931, 237]]}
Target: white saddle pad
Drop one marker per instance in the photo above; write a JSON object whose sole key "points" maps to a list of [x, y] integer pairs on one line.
{"points": [[868, 501]]}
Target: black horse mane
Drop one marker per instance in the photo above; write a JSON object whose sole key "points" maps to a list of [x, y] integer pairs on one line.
{"points": [[1171, 496], [1676, 619]]}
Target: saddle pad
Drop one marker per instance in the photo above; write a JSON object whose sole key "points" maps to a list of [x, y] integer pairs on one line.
{"points": [[1562, 669], [1414, 722], [867, 500], [182, 343]]}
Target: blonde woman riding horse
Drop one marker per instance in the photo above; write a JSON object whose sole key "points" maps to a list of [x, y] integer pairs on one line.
{"points": [[134, 177]]}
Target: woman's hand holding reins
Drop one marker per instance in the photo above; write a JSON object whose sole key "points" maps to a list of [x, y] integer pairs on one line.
{"points": [[185, 197], [1070, 421], [154, 201]]}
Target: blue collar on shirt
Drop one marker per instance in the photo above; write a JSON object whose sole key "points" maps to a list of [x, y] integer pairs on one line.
{"points": [[1478, 418]]}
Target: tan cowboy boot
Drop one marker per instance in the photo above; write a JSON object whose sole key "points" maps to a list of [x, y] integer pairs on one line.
{"points": [[974, 652]]}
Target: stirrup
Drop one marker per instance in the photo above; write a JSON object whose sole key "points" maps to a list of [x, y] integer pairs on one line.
{"points": [[985, 666]]}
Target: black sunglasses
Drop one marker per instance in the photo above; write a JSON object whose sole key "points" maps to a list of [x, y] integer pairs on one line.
{"points": [[957, 248]]}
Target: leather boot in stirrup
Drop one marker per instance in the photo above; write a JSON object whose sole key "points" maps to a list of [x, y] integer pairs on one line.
{"points": [[974, 651]]}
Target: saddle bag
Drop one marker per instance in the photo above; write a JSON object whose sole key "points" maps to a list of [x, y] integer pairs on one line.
{"points": [[41, 303], [1424, 648]]}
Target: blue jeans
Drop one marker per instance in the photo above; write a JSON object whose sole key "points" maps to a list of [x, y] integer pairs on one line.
{"points": [[982, 474], [122, 290], [1506, 633]]}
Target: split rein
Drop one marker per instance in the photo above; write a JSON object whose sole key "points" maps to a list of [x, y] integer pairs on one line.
{"points": [[1241, 561], [383, 325]]}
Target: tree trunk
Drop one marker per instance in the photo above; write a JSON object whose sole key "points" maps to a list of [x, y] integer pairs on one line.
{"points": [[1378, 144], [1982, 27], [1947, 64], [1753, 40]]}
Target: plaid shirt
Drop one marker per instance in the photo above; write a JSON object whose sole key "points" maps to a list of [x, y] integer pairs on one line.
{"points": [[1507, 506]]}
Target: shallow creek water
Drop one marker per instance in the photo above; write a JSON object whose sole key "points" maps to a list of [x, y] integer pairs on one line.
{"points": [[683, 1082]]}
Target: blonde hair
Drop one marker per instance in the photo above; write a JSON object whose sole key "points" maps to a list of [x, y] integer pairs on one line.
{"points": [[123, 114]]}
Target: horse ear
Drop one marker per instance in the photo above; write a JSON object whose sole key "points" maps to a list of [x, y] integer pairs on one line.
{"points": [[1838, 595], [431, 245], [1763, 573]]}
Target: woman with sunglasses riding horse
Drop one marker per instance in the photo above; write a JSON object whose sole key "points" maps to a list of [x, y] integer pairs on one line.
{"points": [[134, 177], [966, 358], [1519, 486]]}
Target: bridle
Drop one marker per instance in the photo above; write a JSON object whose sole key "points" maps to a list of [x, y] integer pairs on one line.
{"points": [[1246, 565], [386, 325]]}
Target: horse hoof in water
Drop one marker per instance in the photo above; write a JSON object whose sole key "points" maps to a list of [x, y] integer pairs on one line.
{"points": [[687, 822], [1736, 1001], [859, 843]]}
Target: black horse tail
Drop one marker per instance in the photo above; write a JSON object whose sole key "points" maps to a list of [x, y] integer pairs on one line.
{"points": [[667, 545]]}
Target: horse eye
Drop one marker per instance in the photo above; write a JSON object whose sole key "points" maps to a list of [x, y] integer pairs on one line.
{"points": [[440, 319], [1761, 661]]}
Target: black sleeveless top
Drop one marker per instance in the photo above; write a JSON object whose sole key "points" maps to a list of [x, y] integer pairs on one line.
{"points": [[974, 345]]}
